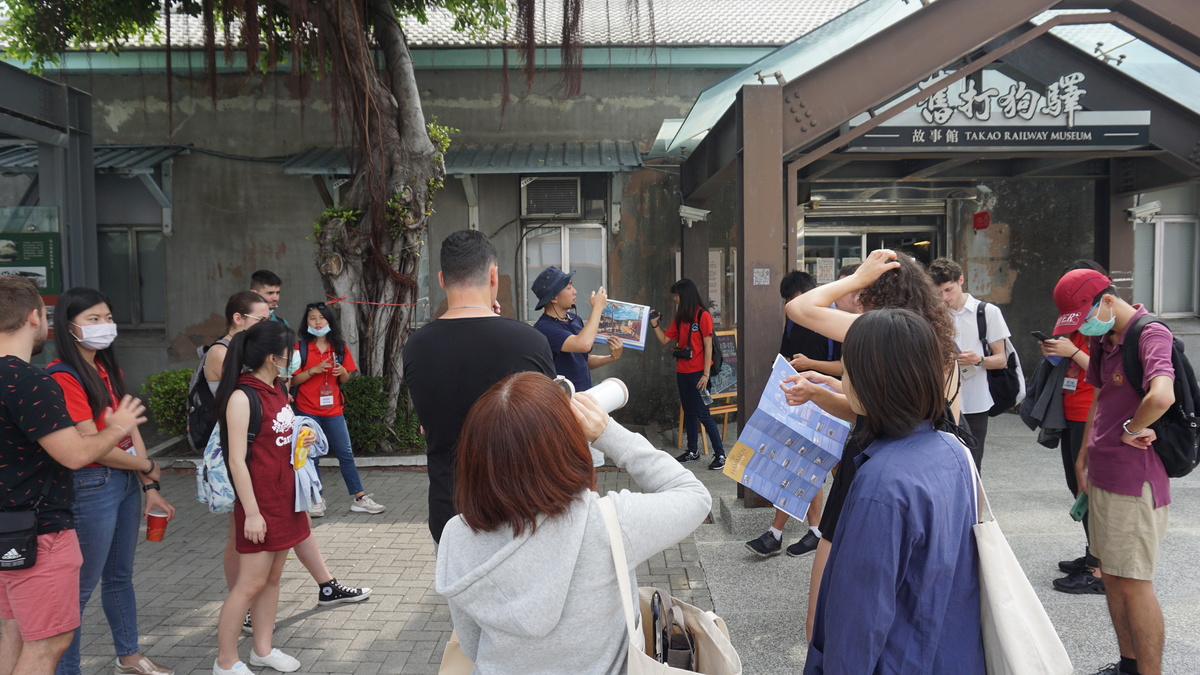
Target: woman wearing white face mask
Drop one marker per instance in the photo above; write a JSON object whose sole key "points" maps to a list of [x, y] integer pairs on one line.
{"points": [[108, 495]]}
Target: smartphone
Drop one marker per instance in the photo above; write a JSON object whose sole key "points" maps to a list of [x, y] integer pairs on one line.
{"points": [[1040, 336]]}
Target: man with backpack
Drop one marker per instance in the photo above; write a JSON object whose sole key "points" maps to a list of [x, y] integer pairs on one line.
{"points": [[1127, 485], [977, 353]]}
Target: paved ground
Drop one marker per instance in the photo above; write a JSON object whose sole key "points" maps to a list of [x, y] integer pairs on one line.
{"points": [[402, 627]]}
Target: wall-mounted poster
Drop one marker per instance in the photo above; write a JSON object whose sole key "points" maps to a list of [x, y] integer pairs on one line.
{"points": [[34, 256], [626, 321]]}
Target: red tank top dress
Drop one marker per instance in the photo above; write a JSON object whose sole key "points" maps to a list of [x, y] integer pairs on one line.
{"points": [[271, 472]]}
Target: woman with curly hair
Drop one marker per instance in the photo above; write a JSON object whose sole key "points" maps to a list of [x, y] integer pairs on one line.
{"points": [[885, 279]]}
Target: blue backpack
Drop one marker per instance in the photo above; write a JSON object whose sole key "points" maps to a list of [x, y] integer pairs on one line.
{"points": [[214, 486]]}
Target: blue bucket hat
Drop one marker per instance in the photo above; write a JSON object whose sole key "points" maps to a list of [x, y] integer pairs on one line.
{"points": [[549, 284]]}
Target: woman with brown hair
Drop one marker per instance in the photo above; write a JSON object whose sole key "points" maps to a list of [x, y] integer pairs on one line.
{"points": [[526, 566], [884, 279]]}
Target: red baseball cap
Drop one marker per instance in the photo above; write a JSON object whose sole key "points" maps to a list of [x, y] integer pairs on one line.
{"points": [[1074, 296]]}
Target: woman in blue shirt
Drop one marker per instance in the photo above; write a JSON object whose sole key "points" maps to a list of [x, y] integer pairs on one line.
{"points": [[901, 590]]}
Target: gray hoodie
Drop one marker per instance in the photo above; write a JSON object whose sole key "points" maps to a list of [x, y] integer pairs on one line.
{"points": [[548, 602]]}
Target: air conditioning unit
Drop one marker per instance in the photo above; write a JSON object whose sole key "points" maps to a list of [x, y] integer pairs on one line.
{"points": [[551, 198]]}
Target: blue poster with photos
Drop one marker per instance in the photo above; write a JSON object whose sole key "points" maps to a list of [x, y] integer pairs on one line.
{"points": [[784, 452]]}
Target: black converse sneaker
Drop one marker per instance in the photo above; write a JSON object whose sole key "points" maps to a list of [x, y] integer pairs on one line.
{"points": [[333, 593], [247, 627]]}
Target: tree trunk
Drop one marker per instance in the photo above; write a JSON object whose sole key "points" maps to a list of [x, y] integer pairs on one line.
{"points": [[375, 257]]}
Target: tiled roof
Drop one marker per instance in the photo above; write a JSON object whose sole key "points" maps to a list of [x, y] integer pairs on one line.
{"points": [[608, 22]]}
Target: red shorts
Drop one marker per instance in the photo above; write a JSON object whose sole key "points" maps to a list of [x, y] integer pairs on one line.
{"points": [[44, 599]]}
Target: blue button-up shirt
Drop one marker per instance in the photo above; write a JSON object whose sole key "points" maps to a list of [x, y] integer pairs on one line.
{"points": [[900, 593]]}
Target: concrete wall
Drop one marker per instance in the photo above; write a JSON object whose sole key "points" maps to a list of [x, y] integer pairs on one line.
{"points": [[1038, 228], [234, 216]]}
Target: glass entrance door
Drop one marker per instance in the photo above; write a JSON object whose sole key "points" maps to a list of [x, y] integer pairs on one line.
{"points": [[828, 244]]}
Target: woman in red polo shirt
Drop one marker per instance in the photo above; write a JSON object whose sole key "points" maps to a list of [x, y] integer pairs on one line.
{"points": [[325, 365], [108, 495]]}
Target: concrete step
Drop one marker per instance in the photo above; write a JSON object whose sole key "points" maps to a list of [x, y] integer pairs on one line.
{"points": [[750, 523]]}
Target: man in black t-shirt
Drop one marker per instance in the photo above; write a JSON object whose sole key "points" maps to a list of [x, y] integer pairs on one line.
{"points": [[39, 606], [805, 350], [451, 362]]}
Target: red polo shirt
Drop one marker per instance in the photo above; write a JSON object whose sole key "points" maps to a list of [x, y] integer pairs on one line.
{"points": [[308, 395], [77, 402]]}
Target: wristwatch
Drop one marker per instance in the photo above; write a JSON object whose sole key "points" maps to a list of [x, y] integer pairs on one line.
{"points": [[151, 486], [1125, 426]]}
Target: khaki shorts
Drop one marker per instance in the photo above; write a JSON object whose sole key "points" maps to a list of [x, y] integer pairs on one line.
{"points": [[1126, 532]]}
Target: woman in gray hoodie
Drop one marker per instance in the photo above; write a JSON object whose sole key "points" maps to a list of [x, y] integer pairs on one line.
{"points": [[526, 565]]}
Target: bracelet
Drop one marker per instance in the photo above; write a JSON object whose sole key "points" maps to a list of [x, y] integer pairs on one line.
{"points": [[123, 429], [1076, 352], [153, 465], [1125, 427]]}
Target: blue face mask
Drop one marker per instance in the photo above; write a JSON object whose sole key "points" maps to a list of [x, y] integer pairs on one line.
{"points": [[319, 332], [1094, 327]]}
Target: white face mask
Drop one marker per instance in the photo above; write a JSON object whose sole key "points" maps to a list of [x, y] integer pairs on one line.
{"points": [[96, 336]]}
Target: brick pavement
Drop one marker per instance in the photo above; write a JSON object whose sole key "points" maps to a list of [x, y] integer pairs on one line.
{"points": [[401, 628]]}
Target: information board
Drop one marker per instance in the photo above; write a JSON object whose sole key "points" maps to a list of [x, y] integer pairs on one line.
{"points": [[725, 383]]}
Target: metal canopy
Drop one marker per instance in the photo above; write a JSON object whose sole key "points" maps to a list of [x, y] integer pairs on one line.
{"points": [[776, 140], [128, 160], [583, 157], [59, 119]]}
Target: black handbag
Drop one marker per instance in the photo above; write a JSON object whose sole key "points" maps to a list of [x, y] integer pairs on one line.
{"points": [[19, 535]]}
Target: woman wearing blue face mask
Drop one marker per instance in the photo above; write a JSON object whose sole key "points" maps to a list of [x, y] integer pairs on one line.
{"points": [[325, 364], [108, 495]]}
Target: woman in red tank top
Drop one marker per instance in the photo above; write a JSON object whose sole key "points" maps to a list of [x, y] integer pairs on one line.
{"points": [[266, 521]]}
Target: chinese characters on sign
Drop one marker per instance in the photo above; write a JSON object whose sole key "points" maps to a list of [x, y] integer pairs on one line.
{"points": [[1062, 99]]}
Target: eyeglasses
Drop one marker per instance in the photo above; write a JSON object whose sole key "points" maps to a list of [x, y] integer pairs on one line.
{"points": [[314, 305], [257, 318]]}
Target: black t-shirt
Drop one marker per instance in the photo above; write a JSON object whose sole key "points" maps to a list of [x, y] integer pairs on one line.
{"points": [[800, 340], [448, 365], [32, 406]]}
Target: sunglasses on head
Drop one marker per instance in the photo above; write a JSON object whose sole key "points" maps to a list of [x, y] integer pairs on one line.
{"points": [[314, 305]]}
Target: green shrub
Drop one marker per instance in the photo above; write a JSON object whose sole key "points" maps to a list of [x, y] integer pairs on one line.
{"points": [[406, 427], [366, 408], [166, 394]]}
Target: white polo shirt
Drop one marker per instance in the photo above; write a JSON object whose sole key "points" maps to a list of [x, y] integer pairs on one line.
{"points": [[975, 395]]}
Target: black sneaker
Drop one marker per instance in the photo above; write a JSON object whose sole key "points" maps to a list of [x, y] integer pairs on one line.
{"points": [[717, 463], [689, 456], [766, 546], [807, 544], [333, 593], [247, 627], [1076, 566], [1110, 669], [1080, 584]]}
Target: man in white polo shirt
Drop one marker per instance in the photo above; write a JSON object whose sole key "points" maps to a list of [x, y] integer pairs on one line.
{"points": [[976, 399]]}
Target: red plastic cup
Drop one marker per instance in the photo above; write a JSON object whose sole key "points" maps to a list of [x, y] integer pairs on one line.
{"points": [[156, 524]]}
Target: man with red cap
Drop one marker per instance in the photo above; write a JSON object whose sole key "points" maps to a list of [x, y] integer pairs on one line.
{"points": [[1127, 486]]}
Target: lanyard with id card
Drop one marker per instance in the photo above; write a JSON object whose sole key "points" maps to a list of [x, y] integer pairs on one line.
{"points": [[325, 393]]}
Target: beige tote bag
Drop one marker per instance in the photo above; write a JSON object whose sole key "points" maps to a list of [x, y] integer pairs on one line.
{"points": [[1018, 638], [715, 654]]}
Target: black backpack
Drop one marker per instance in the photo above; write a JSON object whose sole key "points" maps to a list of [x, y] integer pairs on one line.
{"points": [[200, 420], [1006, 386], [1178, 429]]}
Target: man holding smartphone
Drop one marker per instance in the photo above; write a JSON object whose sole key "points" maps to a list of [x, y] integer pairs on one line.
{"points": [[976, 397]]}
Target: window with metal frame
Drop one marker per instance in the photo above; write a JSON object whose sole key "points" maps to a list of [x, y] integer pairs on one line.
{"points": [[132, 273], [573, 247], [1165, 261]]}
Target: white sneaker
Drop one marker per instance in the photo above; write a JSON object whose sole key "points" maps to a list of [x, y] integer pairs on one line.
{"points": [[365, 504], [238, 668], [277, 660], [318, 510]]}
